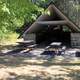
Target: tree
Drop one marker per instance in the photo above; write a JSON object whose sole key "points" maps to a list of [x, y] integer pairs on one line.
{"points": [[13, 14]]}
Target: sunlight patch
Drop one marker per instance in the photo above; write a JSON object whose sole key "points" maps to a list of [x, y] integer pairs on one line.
{"points": [[5, 9]]}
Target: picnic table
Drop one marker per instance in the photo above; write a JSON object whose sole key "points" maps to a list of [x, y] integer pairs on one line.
{"points": [[26, 43]]}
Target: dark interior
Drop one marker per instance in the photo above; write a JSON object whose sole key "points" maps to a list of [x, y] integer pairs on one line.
{"points": [[48, 35], [53, 33]]}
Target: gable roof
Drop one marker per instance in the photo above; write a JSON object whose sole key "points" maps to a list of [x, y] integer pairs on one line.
{"points": [[50, 19]]}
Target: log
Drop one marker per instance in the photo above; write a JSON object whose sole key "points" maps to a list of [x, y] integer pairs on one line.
{"points": [[62, 22]]}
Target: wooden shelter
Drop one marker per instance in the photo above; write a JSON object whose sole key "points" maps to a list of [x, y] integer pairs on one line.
{"points": [[53, 26]]}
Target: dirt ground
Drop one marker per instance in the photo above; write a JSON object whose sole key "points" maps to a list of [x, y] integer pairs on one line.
{"points": [[23, 68]]}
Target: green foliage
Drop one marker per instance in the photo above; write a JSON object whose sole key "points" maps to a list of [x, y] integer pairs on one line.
{"points": [[14, 13]]}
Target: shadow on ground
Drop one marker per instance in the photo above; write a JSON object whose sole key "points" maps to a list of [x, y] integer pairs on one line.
{"points": [[26, 68], [15, 61], [35, 68]]}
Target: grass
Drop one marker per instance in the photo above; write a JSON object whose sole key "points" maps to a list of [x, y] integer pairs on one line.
{"points": [[8, 38]]}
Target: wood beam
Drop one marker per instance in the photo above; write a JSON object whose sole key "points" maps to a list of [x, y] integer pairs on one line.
{"points": [[71, 25], [62, 22]]}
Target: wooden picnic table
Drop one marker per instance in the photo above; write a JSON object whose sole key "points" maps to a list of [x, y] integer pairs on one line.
{"points": [[26, 43]]}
